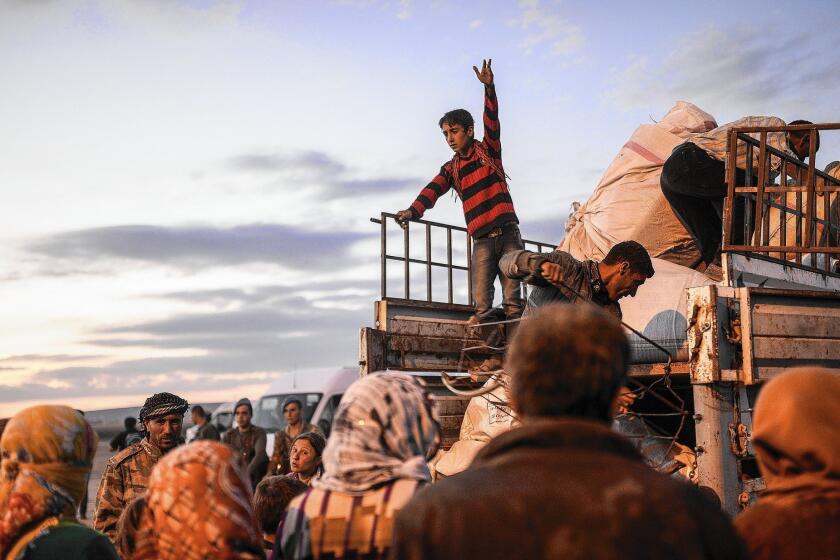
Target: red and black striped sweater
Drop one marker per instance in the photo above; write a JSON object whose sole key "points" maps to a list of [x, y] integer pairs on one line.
{"points": [[482, 186]]}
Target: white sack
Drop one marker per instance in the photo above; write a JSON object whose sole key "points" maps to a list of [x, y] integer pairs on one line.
{"points": [[485, 418], [628, 204]]}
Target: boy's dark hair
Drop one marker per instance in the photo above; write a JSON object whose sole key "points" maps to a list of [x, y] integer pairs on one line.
{"points": [[567, 360], [315, 439], [130, 422], [457, 116], [198, 409], [271, 498], [291, 400], [806, 132], [632, 253]]}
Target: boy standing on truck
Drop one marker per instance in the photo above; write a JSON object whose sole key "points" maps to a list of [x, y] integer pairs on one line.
{"points": [[478, 176]]}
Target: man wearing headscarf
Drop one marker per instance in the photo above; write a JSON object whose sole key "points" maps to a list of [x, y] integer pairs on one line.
{"points": [[248, 440], [797, 446], [376, 459], [127, 473], [47, 455], [198, 506]]}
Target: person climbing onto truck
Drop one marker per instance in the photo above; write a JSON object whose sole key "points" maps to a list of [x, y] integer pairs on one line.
{"points": [[693, 178], [478, 177], [558, 276]]}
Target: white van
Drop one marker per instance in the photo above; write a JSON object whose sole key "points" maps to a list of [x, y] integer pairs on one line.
{"points": [[320, 391], [222, 417]]}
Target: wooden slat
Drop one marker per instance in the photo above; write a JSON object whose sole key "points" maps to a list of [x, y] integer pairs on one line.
{"points": [[785, 325], [779, 348], [450, 405], [425, 362], [451, 423], [430, 344], [767, 373], [372, 355], [427, 327]]}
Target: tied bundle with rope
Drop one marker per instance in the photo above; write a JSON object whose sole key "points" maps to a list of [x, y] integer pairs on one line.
{"points": [[160, 405]]}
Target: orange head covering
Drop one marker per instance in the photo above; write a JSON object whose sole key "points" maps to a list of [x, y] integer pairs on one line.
{"points": [[795, 434], [47, 454], [198, 505]]}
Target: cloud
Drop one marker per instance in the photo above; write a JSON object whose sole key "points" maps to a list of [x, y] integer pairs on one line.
{"points": [[364, 186], [311, 161], [225, 349], [275, 294], [294, 316], [403, 6], [549, 230], [92, 384], [196, 247], [544, 26], [330, 176], [47, 358], [405, 9], [740, 70]]}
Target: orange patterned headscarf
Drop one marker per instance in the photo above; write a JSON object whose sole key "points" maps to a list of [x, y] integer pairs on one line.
{"points": [[47, 453], [198, 505]]}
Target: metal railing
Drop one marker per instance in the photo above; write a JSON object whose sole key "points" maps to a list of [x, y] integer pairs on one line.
{"points": [[781, 220], [405, 258]]}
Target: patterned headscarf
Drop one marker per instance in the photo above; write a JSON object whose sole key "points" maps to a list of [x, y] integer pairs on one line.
{"points": [[161, 404], [47, 454], [198, 505], [797, 443], [384, 430]]}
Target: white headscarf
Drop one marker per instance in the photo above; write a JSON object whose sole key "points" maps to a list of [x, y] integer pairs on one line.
{"points": [[384, 430]]}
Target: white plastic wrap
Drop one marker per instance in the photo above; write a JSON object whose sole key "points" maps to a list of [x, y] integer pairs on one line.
{"points": [[658, 311]]}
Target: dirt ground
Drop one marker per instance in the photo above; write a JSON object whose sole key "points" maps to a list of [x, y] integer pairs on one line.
{"points": [[102, 456]]}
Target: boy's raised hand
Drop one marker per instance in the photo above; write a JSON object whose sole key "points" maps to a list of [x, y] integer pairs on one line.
{"points": [[485, 75]]}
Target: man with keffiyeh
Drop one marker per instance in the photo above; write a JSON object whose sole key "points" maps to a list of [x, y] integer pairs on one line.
{"points": [[127, 473]]}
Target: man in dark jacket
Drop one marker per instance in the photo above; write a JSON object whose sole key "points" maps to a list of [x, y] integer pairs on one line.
{"points": [[248, 440], [563, 485], [206, 430], [120, 441], [558, 276]]}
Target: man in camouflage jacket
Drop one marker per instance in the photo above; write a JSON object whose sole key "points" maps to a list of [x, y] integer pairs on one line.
{"points": [[126, 474]]}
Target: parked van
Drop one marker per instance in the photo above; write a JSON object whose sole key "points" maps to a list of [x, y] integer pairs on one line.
{"points": [[320, 391], [222, 417]]}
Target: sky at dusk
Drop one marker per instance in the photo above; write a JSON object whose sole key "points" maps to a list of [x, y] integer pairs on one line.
{"points": [[187, 185]]}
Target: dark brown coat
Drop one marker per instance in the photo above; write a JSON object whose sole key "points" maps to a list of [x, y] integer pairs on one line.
{"points": [[803, 529], [569, 489]]}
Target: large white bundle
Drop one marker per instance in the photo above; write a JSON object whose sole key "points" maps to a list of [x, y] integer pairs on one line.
{"points": [[628, 203], [659, 312], [486, 417]]}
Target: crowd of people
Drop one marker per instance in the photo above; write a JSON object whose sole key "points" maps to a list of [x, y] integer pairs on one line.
{"points": [[564, 484]]}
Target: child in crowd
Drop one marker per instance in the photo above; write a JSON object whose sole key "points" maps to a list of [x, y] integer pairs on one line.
{"points": [[270, 500]]}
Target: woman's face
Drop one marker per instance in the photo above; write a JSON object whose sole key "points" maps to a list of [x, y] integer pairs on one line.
{"points": [[303, 457]]}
